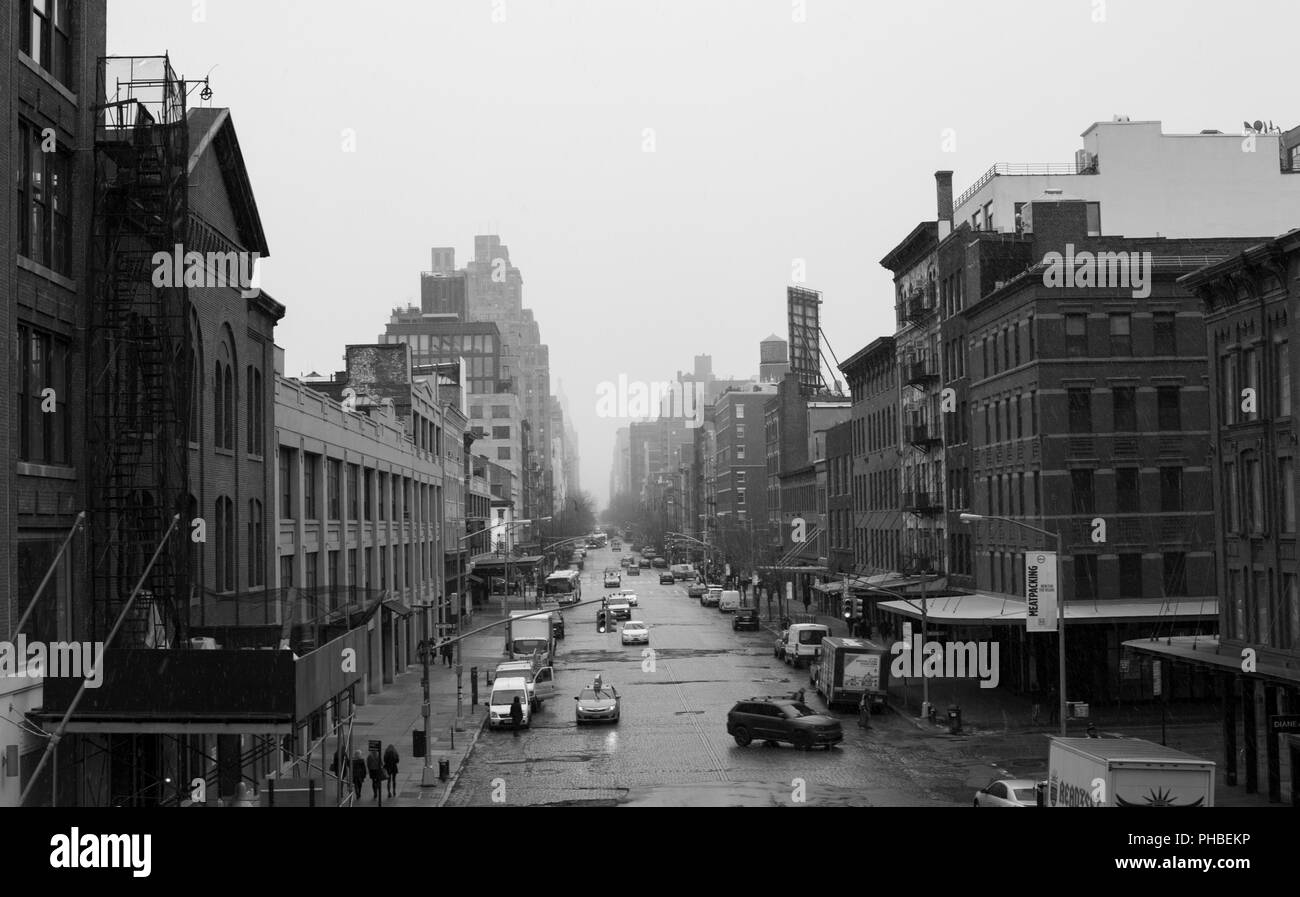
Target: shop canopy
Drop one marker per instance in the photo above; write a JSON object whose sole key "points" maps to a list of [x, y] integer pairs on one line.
{"points": [[983, 609]]}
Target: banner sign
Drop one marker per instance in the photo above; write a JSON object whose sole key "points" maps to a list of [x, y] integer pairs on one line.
{"points": [[1040, 591]]}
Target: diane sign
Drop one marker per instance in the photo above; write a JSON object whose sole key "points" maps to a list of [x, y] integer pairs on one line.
{"points": [[1040, 591]]}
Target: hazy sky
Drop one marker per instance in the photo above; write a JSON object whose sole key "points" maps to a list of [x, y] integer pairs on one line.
{"points": [[773, 140]]}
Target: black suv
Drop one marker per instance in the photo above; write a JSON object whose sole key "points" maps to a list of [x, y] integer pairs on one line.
{"points": [[666, 579], [745, 618], [773, 720]]}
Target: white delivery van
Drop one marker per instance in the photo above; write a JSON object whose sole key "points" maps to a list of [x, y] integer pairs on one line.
{"points": [[504, 690], [799, 643], [729, 601], [1125, 772]]}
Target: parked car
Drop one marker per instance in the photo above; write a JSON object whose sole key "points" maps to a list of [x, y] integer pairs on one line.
{"points": [[616, 546], [627, 595], [745, 618], [1007, 793], [504, 690], [775, 720], [612, 579], [644, 562], [696, 590], [633, 570], [598, 703], [659, 563], [729, 601], [627, 560], [635, 633], [712, 597], [540, 681], [666, 579], [618, 608]]}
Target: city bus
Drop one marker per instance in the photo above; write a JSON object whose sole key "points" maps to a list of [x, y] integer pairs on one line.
{"points": [[565, 586]]}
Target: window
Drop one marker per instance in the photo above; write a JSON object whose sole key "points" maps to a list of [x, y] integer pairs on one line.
{"points": [[336, 576], [379, 495], [1076, 335], [500, 411], [332, 487], [503, 453], [1085, 576], [225, 539], [740, 497], [740, 411], [352, 572], [1167, 408], [1282, 356], [1252, 374], [1162, 327], [1128, 498], [1130, 576], [501, 432], [1228, 383], [286, 483], [1030, 328], [740, 452], [310, 471], [46, 36], [44, 202], [1171, 488], [1121, 335], [354, 484], [1286, 473], [1125, 406], [740, 431], [1033, 412], [397, 488], [1080, 405], [1255, 495], [476, 411], [740, 478], [1015, 338], [1081, 490], [1020, 492], [311, 570], [1175, 563], [44, 361], [985, 345], [256, 545], [256, 412], [223, 409], [1232, 494], [1093, 212]]}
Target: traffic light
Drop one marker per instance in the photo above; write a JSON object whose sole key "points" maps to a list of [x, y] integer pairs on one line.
{"points": [[857, 608], [600, 621], [848, 608]]}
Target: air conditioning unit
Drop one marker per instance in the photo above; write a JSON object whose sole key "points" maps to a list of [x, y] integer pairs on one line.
{"points": [[206, 643]]}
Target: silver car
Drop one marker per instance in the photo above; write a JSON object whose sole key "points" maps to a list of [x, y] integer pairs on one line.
{"points": [[598, 703]]}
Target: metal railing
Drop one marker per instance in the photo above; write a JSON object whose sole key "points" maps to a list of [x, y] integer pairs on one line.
{"points": [[1016, 168]]}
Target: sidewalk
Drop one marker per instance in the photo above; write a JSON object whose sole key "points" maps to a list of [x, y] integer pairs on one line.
{"points": [[391, 717]]}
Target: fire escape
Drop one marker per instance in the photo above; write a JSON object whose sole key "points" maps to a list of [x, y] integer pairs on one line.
{"points": [[140, 356], [921, 432]]}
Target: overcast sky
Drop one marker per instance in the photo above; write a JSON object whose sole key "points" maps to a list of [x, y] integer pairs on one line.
{"points": [[773, 140]]}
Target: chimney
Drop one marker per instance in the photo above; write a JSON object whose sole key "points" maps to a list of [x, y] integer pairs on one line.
{"points": [[943, 191]]}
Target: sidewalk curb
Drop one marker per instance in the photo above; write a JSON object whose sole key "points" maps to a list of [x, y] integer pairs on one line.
{"points": [[464, 758]]}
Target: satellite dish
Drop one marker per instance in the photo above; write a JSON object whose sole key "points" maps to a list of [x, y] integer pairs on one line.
{"points": [[1245, 126], [1259, 125]]}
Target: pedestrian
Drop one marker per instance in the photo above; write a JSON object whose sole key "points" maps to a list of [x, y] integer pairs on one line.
{"points": [[1053, 706], [516, 715], [1036, 713], [358, 772], [447, 653], [375, 766], [390, 767]]}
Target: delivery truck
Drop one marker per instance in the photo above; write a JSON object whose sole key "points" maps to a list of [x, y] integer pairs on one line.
{"points": [[530, 637], [844, 669], [1125, 772]]}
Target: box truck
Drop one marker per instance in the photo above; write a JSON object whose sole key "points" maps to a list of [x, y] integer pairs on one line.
{"points": [[844, 669], [530, 638], [1125, 772]]}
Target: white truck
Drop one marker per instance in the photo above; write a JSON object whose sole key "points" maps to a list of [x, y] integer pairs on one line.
{"points": [[1125, 772], [530, 638]]}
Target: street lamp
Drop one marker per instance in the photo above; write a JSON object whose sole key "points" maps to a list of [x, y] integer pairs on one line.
{"points": [[1060, 601]]}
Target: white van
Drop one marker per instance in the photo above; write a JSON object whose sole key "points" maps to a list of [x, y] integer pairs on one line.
{"points": [[798, 644], [504, 691], [729, 601], [541, 681]]}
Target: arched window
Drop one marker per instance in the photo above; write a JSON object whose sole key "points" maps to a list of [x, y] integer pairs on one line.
{"points": [[255, 408], [223, 408], [256, 545], [225, 538], [196, 549]]}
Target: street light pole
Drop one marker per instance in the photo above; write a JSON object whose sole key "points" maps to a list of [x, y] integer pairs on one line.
{"points": [[1060, 604]]}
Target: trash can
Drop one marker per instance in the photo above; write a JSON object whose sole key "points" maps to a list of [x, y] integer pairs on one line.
{"points": [[444, 769], [954, 719], [418, 742]]}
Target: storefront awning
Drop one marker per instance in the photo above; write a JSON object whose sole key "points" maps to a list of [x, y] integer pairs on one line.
{"points": [[983, 609], [899, 582], [1208, 653]]}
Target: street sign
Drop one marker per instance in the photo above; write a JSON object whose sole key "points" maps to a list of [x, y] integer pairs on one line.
{"points": [[1282, 724]]}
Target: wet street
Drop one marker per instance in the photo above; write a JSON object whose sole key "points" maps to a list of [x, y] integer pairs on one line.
{"points": [[671, 746]]}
